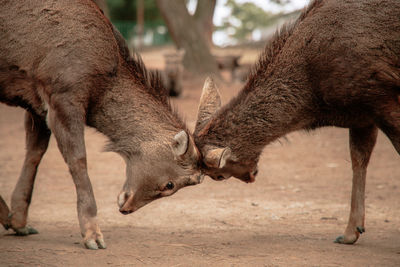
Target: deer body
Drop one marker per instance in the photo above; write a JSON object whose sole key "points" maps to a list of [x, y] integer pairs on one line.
{"points": [[337, 65], [67, 66]]}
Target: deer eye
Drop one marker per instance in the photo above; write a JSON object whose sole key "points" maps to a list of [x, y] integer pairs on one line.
{"points": [[169, 186]]}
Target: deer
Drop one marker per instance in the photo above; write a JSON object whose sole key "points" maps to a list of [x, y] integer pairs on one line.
{"points": [[337, 65], [68, 67], [230, 63], [173, 72]]}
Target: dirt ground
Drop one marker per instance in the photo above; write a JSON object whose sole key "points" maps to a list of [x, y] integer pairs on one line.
{"points": [[288, 217]]}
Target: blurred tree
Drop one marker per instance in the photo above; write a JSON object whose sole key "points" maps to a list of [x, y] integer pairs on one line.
{"points": [[192, 33], [281, 2], [246, 17], [140, 22], [204, 18]]}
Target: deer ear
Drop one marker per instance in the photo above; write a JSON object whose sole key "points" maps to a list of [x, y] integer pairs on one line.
{"points": [[180, 143], [184, 148], [217, 157], [210, 102]]}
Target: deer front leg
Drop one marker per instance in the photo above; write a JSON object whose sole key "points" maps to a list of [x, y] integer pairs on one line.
{"points": [[37, 140], [4, 214], [362, 142], [67, 124]]}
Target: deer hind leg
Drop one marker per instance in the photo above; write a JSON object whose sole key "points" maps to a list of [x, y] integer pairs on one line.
{"points": [[362, 142], [67, 125], [37, 140]]}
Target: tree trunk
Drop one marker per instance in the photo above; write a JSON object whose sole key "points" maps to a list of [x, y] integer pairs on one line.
{"points": [[187, 35], [140, 22], [204, 18]]}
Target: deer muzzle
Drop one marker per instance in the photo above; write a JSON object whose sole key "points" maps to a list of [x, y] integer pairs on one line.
{"points": [[125, 200]]}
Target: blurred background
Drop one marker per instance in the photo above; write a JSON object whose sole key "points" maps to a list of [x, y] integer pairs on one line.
{"points": [[218, 37], [231, 21]]}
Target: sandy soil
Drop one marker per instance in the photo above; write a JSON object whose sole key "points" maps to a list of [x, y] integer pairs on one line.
{"points": [[288, 217]]}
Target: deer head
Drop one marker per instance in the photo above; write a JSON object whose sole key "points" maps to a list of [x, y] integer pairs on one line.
{"points": [[219, 162], [160, 171]]}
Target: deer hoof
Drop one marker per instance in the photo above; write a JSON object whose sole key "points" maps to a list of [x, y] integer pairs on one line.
{"points": [[27, 230], [92, 244], [100, 243], [339, 239], [343, 240]]}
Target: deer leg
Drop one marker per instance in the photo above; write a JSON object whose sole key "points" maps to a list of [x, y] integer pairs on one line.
{"points": [[37, 140], [4, 214], [362, 142], [67, 125]]}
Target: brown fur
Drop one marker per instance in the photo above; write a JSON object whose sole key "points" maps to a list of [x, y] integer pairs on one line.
{"points": [[337, 65], [68, 66]]}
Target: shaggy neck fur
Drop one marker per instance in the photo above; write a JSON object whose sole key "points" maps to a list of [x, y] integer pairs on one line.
{"points": [[134, 115], [265, 109]]}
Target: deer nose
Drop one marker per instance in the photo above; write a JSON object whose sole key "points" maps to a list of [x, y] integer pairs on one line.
{"points": [[124, 202], [122, 198], [125, 212], [252, 176], [249, 177], [220, 178], [255, 173]]}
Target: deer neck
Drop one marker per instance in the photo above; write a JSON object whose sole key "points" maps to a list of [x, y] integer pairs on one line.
{"points": [[131, 117], [255, 118]]}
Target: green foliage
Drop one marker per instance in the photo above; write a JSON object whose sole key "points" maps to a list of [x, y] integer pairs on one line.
{"points": [[123, 15], [125, 10], [245, 18], [280, 2]]}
